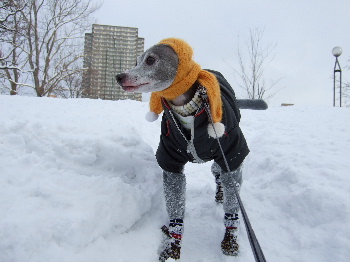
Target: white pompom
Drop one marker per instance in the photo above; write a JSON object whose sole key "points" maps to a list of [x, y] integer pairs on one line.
{"points": [[151, 116], [219, 129]]}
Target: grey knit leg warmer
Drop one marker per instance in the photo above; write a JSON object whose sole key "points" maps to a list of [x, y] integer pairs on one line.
{"points": [[219, 193], [175, 194], [231, 181]]}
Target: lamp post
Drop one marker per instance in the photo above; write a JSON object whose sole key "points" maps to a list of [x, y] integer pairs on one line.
{"points": [[337, 51]]}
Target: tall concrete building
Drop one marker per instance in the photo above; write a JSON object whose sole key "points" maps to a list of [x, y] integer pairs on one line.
{"points": [[109, 50]]}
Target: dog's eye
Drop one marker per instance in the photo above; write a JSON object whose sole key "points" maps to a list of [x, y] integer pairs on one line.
{"points": [[150, 60]]}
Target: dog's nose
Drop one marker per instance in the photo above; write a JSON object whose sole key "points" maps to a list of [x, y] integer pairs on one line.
{"points": [[120, 77]]}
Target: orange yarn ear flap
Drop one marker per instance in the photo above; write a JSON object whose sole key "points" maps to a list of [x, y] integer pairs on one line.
{"points": [[209, 81], [155, 103]]}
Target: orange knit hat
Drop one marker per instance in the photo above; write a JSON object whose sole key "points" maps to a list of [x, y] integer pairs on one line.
{"points": [[188, 73]]}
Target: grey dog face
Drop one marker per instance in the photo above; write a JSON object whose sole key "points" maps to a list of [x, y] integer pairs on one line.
{"points": [[155, 71]]}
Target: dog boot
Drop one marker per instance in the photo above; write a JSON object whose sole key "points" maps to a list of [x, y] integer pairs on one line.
{"points": [[229, 245], [171, 246]]}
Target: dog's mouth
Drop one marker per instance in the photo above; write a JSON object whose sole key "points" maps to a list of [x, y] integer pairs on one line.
{"points": [[132, 88]]}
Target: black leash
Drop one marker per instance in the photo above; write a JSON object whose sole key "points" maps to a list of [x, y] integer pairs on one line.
{"points": [[254, 243]]}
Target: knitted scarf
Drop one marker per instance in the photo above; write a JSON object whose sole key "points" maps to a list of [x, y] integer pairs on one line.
{"points": [[188, 73]]}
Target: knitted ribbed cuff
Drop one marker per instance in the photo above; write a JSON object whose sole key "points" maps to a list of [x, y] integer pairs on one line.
{"points": [[176, 228], [231, 221]]}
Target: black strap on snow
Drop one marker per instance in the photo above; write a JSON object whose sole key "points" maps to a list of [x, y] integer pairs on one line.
{"points": [[254, 243]]}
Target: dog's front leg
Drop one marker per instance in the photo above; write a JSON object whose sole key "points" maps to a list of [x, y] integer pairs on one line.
{"points": [[175, 196]]}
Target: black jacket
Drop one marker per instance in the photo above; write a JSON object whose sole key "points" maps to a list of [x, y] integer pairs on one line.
{"points": [[172, 152]]}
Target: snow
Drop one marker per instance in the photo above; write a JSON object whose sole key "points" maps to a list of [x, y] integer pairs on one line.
{"points": [[79, 182]]}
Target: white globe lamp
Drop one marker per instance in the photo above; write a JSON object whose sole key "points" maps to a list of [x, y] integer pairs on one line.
{"points": [[337, 51]]}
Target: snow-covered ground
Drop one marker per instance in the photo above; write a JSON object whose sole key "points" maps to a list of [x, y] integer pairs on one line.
{"points": [[79, 182]]}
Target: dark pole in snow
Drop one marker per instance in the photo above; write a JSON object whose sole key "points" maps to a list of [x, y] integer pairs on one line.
{"points": [[337, 51]]}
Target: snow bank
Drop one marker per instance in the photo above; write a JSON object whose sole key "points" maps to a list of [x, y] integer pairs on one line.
{"points": [[298, 172], [72, 172], [79, 182]]}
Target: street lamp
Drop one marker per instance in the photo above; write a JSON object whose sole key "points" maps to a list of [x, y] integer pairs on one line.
{"points": [[336, 51]]}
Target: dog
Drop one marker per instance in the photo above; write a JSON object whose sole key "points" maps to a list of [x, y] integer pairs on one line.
{"points": [[200, 123]]}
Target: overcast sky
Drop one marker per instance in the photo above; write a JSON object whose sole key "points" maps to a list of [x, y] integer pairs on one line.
{"points": [[305, 33]]}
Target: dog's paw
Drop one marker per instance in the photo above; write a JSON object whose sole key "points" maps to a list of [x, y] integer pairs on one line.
{"points": [[216, 130], [151, 116]]}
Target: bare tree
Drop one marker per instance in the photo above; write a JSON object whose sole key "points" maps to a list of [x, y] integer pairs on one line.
{"points": [[250, 75], [51, 50], [9, 10], [346, 89], [12, 40], [71, 86], [54, 40]]}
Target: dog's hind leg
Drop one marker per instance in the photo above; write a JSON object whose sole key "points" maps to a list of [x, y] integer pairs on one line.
{"points": [[231, 182], [174, 191], [219, 193]]}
